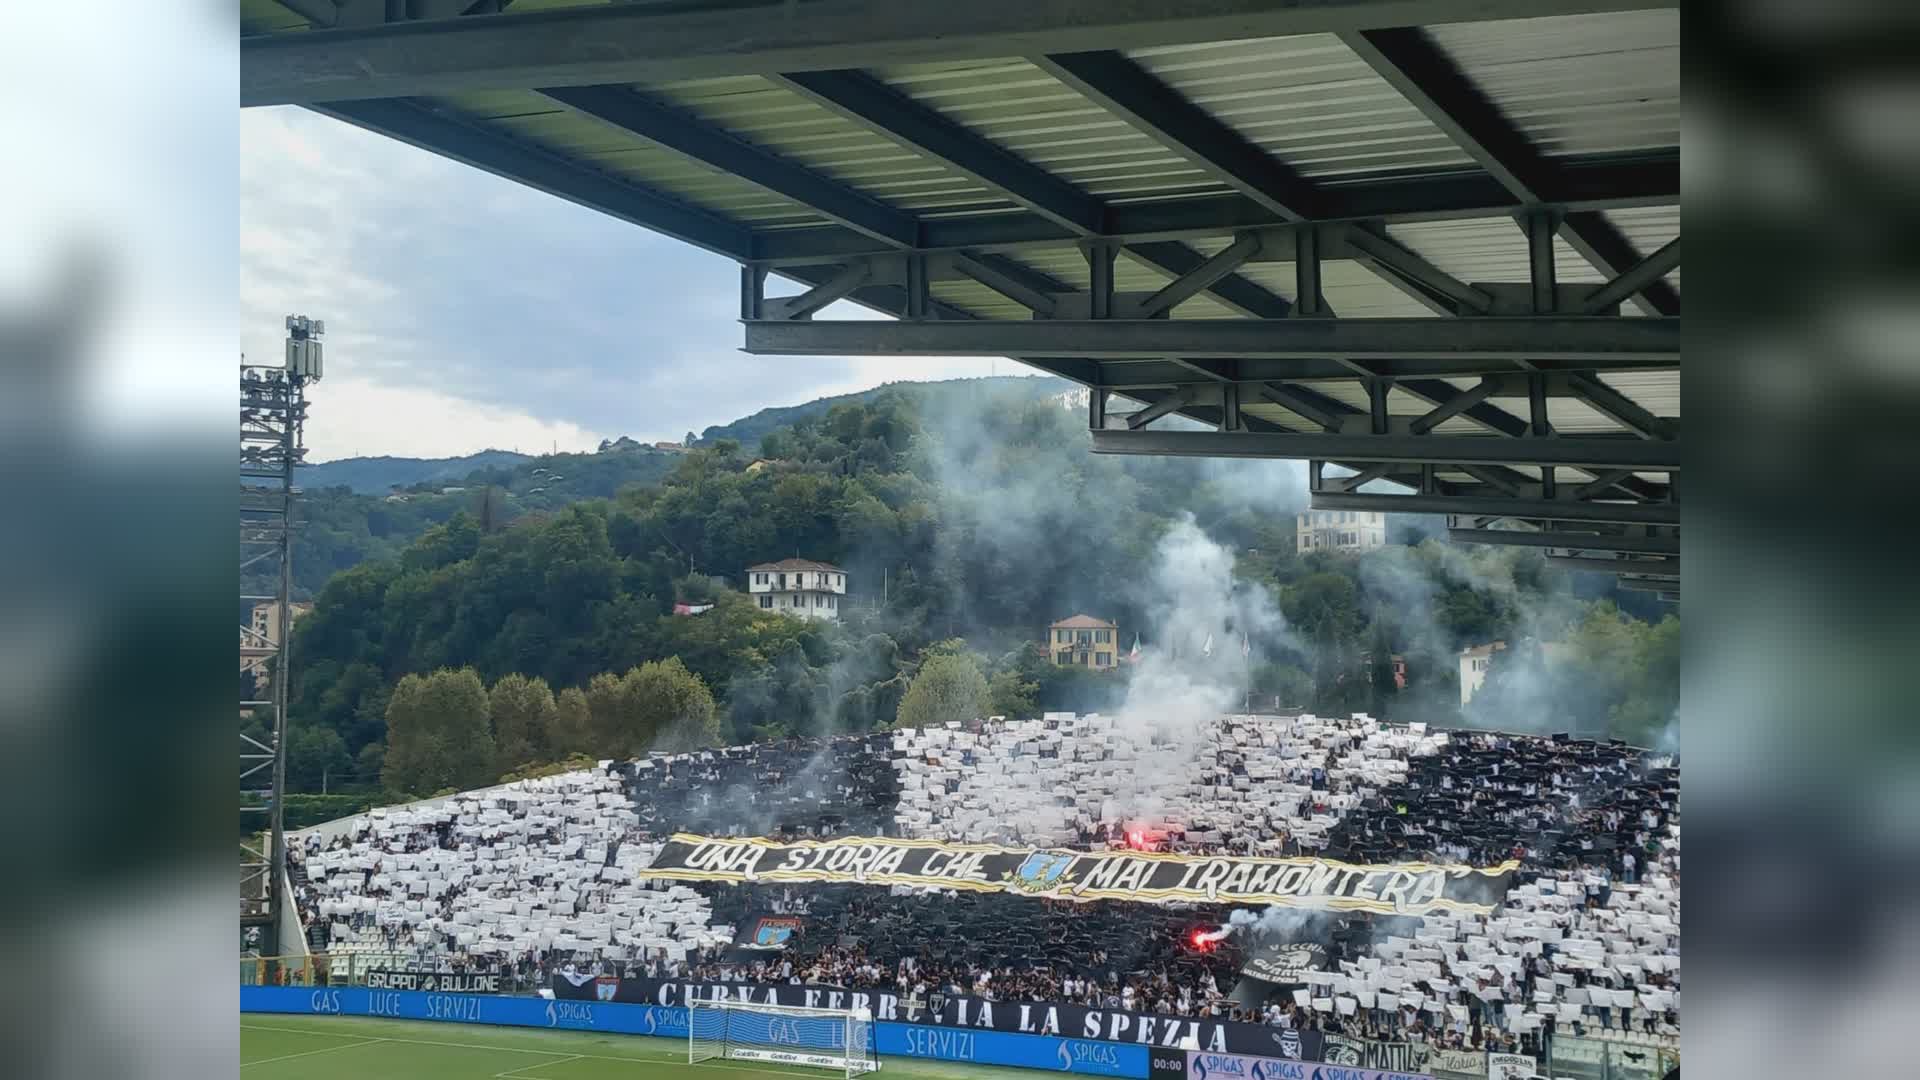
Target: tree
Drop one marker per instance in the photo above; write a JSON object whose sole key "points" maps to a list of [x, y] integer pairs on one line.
{"points": [[658, 705], [1011, 696], [523, 712], [618, 718], [1380, 670], [679, 705], [316, 759], [438, 733], [571, 731], [949, 686]]}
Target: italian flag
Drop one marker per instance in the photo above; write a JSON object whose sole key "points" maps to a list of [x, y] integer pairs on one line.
{"points": [[1133, 655]]}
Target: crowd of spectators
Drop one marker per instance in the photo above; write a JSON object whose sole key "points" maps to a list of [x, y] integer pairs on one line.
{"points": [[1588, 940]]}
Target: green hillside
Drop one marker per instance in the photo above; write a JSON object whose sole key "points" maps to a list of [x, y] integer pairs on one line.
{"points": [[379, 475], [966, 524], [747, 431], [361, 509]]}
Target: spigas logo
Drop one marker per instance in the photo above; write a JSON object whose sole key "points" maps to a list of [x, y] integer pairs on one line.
{"points": [[1218, 1067], [573, 1014], [1041, 871], [1088, 1056]]}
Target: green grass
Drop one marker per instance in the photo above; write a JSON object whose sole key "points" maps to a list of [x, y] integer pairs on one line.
{"points": [[277, 1047]]}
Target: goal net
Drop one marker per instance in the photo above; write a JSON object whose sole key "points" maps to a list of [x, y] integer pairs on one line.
{"points": [[838, 1039]]}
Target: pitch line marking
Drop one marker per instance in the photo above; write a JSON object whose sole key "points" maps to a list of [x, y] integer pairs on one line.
{"points": [[310, 1053], [509, 1074], [546, 1053]]}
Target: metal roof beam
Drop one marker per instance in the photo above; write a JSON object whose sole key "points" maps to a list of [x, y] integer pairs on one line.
{"points": [[1646, 567], [1493, 506], [1028, 288], [1125, 89], [1180, 396], [1595, 238], [1619, 407], [1487, 415], [1584, 339], [690, 137], [1648, 270], [873, 104], [1409, 59], [1308, 404], [625, 43], [1411, 449], [1163, 371], [1408, 272], [1236, 292], [445, 133], [1641, 180], [1580, 541]]}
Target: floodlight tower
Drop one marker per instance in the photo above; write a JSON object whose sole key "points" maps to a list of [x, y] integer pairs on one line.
{"points": [[273, 414]]}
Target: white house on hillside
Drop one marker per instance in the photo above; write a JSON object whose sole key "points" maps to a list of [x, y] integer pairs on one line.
{"points": [[803, 587], [1475, 661], [1340, 530]]}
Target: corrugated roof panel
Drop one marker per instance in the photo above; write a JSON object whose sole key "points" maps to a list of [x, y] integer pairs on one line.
{"points": [[1491, 250], [1069, 267], [1308, 101], [1022, 109], [789, 125], [1354, 292], [535, 120], [1350, 289], [1649, 228], [976, 299], [1658, 392], [1571, 416], [268, 17], [262, 16], [1578, 84]]}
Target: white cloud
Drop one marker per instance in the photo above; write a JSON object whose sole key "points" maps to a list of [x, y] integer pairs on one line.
{"points": [[351, 417], [527, 312]]}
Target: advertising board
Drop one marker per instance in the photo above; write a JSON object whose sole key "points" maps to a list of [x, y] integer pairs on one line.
{"points": [[1087, 1057]]}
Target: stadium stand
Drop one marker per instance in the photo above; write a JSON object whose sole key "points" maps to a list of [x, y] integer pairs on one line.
{"points": [[546, 874]]}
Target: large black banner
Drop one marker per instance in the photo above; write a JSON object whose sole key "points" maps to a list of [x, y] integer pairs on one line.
{"points": [[1285, 963], [1402, 1057], [1402, 888], [1032, 1018], [444, 982]]}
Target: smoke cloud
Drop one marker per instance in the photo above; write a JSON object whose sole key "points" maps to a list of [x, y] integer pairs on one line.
{"points": [[1274, 923], [1202, 620]]}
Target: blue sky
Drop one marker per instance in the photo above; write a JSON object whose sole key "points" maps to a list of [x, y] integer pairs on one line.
{"points": [[464, 311]]}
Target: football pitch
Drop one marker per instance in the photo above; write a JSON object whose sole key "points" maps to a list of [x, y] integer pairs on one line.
{"points": [[277, 1047]]}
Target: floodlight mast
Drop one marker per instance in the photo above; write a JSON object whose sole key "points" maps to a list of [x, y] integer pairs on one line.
{"points": [[273, 413]]}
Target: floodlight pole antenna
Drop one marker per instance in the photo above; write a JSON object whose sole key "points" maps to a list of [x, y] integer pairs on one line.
{"points": [[273, 413]]}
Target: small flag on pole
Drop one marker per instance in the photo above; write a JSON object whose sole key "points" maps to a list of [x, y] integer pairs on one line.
{"points": [[1133, 656]]}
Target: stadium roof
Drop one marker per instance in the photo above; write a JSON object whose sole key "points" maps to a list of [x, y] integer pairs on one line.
{"points": [[1433, 243]]}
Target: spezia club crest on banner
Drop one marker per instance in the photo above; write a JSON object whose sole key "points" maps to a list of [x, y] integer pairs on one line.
{"points": [[1041, 871]]}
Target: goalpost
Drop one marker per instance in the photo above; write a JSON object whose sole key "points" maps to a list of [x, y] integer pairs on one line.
{"points": [[838, 1039]]}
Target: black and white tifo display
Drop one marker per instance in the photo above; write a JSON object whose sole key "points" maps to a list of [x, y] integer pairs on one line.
{"points": [[838, 1039], [1069, 875], [1413, 888]]}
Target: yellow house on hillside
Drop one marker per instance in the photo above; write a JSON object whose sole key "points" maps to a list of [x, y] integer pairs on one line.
{"points": [[1084, 641]]}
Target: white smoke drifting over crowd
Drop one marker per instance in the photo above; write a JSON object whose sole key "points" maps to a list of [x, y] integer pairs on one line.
{"points": [[1204, 623], [1283, 923]]}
